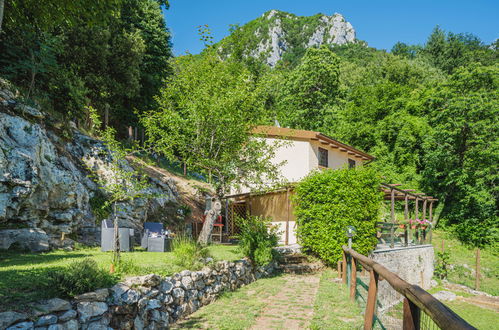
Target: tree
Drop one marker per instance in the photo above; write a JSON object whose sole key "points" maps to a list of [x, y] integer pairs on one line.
{"points": [[123, 184], [206, 113], [308, 95], [463, 153]]}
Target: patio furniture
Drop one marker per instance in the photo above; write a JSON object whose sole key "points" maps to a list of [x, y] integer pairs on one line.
{"points": [[107, 237], [154, 238]]}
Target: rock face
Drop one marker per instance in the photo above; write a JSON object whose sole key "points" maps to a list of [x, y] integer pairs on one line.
{"points": [[143, 302], [276, 33], [45, 188]]}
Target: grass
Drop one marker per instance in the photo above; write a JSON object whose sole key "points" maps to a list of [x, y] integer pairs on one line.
{"points": [[333, 308], [277, 300], [480, 318], [461, 255], [24, 275], [237, 309]]}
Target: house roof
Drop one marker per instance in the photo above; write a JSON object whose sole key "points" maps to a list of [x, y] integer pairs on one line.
{"points": [[298, 134]]}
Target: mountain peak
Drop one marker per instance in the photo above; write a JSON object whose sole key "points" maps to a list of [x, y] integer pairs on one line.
{"points": [[278, 35]]}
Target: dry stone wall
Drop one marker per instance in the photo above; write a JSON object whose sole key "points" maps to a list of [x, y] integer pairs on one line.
{"points": [[143, 302]]}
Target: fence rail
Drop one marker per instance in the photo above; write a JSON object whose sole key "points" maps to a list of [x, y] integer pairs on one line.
{"points": [[416, 300]]}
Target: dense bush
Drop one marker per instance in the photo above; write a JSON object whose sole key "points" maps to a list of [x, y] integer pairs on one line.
{"points": [[187, 253], [79, 277], [257, 239], [326, 202]]}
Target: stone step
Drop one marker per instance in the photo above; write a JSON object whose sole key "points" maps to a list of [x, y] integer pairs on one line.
{"points": [[293, 259], [304, 268]]}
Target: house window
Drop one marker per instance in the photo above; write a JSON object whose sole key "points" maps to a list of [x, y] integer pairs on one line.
{"points": [[351, 163], [322, 157]]}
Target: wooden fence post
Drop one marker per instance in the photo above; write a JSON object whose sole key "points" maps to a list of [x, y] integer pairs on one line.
{"points": [[477, 270], [339, 268], [371, 300], [412, 316], [353, 279], [344, 269]]}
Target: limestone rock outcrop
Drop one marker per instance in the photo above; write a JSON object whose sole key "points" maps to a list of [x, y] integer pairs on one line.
{"points": [[45, 187], [276, 33]]}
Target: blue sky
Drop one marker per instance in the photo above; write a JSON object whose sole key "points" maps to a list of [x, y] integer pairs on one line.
{"points": [[380, 23]]}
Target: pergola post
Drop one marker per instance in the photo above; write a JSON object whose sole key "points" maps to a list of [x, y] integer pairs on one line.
{"points": [[406, 218], [287, 216], [416, 212], [431, 220], [392, 214]]}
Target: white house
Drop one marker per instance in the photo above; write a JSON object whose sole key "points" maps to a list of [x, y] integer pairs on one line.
{"points": [[302, 152]]}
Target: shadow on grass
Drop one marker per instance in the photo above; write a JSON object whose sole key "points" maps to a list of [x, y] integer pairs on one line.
{"points": [[9, 259], [19, 288]]}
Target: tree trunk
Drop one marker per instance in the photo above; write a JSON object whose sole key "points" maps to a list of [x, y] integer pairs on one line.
{"points": [[211, 217], [116, 252], [2, 3]]}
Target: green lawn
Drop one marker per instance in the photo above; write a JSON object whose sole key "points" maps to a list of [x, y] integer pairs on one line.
{"points": [[461, 256], [333, 308], [480, 318], [22, 275]]}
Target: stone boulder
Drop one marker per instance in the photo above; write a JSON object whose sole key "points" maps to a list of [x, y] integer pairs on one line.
{"points": [[26, 239]]}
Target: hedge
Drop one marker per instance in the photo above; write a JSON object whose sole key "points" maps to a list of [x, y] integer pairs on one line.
{"points": [[326, 202]]}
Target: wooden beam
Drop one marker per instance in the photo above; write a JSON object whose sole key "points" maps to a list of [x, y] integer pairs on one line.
{"points": [[442, 315], [344, 269], [392, 215], [333, 146], [412, 316], [353, 280], [371, 300]]}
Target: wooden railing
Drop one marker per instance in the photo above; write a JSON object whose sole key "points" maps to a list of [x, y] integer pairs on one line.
{"points": [[416, 300]]}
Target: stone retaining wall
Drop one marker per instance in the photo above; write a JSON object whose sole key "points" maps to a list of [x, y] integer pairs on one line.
{"points": [[143, 302], [413, 264]]}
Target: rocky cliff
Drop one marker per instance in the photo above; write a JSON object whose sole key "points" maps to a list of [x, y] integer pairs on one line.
{"points": [[45, 188], [278, 35]]}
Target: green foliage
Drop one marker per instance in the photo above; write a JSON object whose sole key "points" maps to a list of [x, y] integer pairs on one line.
{"points": [[326, 202], [462, 153], [307, 97], [205, 114], [69, 58], [257, 239], [100, 206], [442, 264], [79, 277], [187, 253]]}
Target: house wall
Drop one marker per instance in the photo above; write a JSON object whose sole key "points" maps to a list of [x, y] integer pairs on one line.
{"points": [[275, 206], [336, 158]]}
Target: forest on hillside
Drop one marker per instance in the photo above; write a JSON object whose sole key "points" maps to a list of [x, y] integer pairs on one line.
{"points": [[428, 113]]}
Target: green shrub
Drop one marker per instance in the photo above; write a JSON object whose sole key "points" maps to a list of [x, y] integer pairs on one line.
{"points": [[257, 239], [79, 277], [326, 202], [187, 253], [442, 265]]}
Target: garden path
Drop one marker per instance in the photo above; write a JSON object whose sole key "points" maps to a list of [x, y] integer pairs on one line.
{"points": [[293, 306]]}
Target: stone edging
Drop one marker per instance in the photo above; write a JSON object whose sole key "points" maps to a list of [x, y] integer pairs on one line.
{"points": [[143, 302]]}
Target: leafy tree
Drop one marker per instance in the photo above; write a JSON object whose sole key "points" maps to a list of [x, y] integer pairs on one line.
{"points": [[308, 95], [462, 153], [404, 50], [115, 60], [206, 112], [448, 51], [122, 184]]}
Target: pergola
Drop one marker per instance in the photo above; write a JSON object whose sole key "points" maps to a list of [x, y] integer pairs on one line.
{"points": [[392, 193]]}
